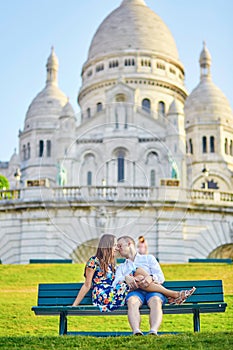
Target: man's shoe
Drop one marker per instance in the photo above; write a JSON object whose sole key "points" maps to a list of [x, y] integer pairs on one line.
{"points": [[138, 332], [152, 333]]}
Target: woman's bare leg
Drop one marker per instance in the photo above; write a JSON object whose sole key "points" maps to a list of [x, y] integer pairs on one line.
{"points": [[155, 287]]}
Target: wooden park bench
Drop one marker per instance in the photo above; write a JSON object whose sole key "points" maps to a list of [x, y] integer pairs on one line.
{"points": [[50, 261], [225, 261], [56, 299]]}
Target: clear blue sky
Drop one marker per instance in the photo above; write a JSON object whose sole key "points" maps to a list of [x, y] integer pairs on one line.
{"points": [[28, 29]]}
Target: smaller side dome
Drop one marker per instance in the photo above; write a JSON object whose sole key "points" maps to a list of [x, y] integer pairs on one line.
{"points": [[207, 101], [15, 159], [176, 107], [50, 101], [67, 110]]}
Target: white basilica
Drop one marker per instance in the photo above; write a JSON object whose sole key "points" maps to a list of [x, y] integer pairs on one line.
{"points": [[145, 158]]}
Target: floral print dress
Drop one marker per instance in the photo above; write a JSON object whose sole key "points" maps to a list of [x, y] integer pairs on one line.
{"points": [[104, 295]]}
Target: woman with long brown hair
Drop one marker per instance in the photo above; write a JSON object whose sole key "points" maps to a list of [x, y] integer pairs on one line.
{"points": [[100, 273]]}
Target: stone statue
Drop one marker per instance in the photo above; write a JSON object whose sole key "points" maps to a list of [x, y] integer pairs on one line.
{"points": [[61, 175]]}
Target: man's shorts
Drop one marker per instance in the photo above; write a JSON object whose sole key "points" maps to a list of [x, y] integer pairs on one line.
{"points": [[144, 296]]}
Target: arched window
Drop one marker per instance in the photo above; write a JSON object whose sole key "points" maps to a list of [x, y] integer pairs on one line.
{"points": [[88, 113], [161, 108], [113, 64], [146, 104], [226, 146], [191, 146], [99, 107], [116, 119], [152, 178], [231, 148], [41, 148], [24, 152], [204, 145], [212, 146], [152, 158], [129, 62], [89, 178], [28, 151], [48, 147], [121, 166], [99, 67]]}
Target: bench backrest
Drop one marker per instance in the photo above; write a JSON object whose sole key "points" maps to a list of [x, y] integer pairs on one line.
{"points": [[50, 261], [55, 294], [208, 260]]}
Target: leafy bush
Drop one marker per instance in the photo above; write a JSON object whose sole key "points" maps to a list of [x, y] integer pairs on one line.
{"points": [[4, 183]]}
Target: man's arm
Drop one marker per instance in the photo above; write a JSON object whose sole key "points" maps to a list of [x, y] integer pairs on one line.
{"points": [[156, 270], [119, 276], [156, 273], [122, 274]]}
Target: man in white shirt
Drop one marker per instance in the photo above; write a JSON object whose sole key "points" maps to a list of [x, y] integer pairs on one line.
{"points": [[137, 297]]}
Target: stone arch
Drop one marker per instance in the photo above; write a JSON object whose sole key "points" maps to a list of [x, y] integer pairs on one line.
{"points": [[152, 157], [84, 251], [224, 251], [203, 236], [121, 97], [221, 180], [88, 165]]}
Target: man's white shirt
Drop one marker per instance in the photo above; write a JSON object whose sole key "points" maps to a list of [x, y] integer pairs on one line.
{"points": [[147, 262]]}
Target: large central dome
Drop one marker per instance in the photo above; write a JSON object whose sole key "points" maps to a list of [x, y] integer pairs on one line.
{"points": [[133, 26]]}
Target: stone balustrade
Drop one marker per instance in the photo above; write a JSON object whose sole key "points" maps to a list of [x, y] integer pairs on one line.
{"points": [[118, 193]]}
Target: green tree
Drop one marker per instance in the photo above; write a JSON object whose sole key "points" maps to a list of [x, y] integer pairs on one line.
{"points": [[4, 183]]}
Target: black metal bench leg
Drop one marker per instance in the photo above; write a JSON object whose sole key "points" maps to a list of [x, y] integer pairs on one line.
{"points": [[63, 324], [196, 320]]}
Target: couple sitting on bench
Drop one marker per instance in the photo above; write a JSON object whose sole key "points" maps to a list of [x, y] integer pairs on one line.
{"points": [[136, 281]]}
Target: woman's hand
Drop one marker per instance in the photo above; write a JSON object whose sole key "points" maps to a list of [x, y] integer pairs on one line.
{"points": [[145, 282], [131, 282], [85, 287]]}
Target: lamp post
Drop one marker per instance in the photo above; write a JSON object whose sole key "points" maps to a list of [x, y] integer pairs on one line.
{"points": [[17, 176], [205, 173]]}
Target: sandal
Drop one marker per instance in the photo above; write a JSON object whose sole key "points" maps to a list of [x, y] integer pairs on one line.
{"points": [[181, 299]]}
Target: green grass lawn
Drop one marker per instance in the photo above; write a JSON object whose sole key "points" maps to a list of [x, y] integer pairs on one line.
{"points": [[21, 329]]}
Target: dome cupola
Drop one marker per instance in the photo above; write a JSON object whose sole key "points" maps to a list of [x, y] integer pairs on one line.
{"points": [[133, 47], [205, 62], [133, 26], [52, 68]]}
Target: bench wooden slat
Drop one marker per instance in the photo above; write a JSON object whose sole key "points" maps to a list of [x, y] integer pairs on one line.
{"points": [[73, 292], [87, 310], [64, 294], [190, 284], [203, 298], [167, 284], [60, 286]]}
